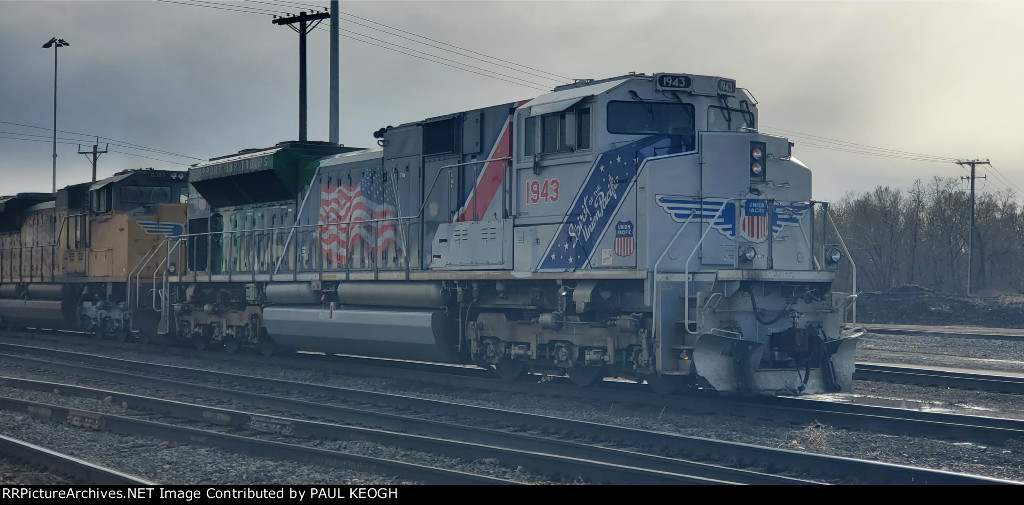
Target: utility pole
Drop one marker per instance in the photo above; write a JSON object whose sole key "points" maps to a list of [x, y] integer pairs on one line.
{"points": [[95, 155], [970, 239], [303, 20], [333, 137]]}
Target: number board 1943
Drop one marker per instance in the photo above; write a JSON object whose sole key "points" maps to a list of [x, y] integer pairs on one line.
{"points": [[673, 81]]}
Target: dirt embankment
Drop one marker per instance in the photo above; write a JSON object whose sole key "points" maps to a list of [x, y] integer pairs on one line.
{"points": [[910, 304]]}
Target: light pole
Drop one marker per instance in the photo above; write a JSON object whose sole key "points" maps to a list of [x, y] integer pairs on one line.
{"points": [[55, 43]]}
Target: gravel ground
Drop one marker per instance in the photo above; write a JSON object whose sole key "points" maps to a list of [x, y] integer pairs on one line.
{"points": [[164, 463], [16, 473], [172, 463], [910, 304]]}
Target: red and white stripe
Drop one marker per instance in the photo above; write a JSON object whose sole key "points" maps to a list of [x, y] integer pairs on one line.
{"points": [[755, 227], [341, 206]]}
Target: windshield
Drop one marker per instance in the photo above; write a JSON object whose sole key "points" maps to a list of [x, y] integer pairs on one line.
{"points": [[650, 118], [725, 120], [145, 194]]}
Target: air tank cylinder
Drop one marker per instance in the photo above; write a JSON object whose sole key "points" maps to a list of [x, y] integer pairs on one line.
{"points": [[426, 295]]}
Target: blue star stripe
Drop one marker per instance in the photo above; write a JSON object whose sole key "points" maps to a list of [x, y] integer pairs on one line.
{"points": [[599, 198]]}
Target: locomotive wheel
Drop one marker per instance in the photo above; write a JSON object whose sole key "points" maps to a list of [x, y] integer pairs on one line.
{"points": [[662, 384], [584, 376], [200, 342], [266, 345], [231, 345], [84, 323], [510, 370], [103, 328]]}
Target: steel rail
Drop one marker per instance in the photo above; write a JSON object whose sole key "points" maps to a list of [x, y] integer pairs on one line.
{"points": [[813, 464], [992, 382], [791, 409], [240, 444], [1009, 334], [80, 471], [544, 455]]}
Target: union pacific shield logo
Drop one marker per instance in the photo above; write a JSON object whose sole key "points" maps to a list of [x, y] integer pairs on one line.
{"points": [[625, 244], [754, 223], [735, 218]]}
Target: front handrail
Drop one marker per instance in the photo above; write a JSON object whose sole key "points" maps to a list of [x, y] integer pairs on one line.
{"points": [[686, 269], [686, 266], [654, 301], [166, 261], [139, 267], [853, 266]]}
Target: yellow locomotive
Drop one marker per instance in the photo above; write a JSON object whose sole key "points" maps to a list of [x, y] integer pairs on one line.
{"points": [[79, 259]]}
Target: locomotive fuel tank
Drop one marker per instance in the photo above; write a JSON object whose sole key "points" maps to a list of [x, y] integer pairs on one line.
{"points": [[52, 306], [420, 335]]}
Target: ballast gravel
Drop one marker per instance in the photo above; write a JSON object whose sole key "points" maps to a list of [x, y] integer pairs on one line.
{"points": [[171, 464]]}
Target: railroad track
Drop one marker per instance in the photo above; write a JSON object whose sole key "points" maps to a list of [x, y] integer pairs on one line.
{"points": [[993, 382], [247, 445], [902, 374], [824, 466], [560, 458], [80, 471], [799, 410], [1009, 334]]}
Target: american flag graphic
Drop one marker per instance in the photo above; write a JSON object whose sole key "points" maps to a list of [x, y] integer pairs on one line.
{"points": [[625, 243], [343, 207], [755, 219]]}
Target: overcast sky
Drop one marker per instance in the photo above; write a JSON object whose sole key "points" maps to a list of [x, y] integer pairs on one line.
{"points": [[940, 80]]}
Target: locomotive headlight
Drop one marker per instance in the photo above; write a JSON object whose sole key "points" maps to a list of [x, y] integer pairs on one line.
{"points": [[834, 256], [749, 254], [171, 267], [757, 160]]}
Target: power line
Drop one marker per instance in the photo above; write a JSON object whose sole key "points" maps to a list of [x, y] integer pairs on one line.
{"points": [[863, 147], [116, 142], [558, 78], [233, 8], [297, 4], [454, 64], [909, 157], [1000, 175], [47, 140], [455, 49], [151, 158]]}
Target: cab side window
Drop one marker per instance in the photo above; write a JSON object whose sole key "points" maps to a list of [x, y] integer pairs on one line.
{"points": [[583, 129], [102, 200], [557, 132]]}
